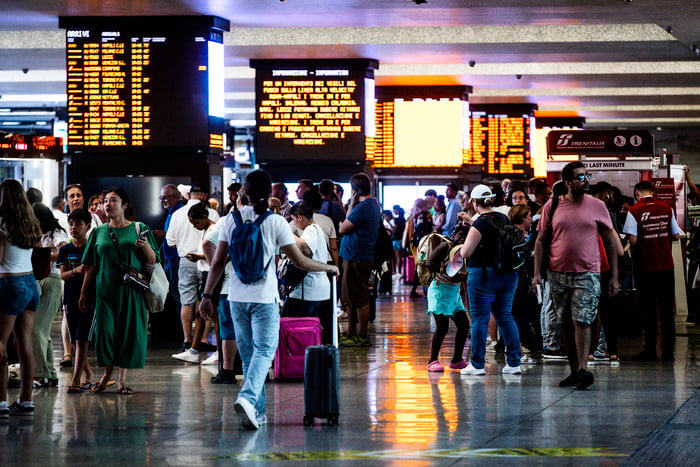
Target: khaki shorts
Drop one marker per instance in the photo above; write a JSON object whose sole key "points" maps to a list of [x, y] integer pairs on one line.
{"points": [[354, 293], [575, 295]]}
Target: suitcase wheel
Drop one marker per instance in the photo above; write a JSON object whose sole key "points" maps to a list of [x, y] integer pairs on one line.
{"points": [[333, 421], [308, 420]]}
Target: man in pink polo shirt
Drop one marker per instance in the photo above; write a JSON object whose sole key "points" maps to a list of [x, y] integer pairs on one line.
{"points": [[570, 241], [651, 226]]}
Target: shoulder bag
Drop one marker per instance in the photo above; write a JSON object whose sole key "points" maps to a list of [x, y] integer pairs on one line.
{"points": [[159, 286]]}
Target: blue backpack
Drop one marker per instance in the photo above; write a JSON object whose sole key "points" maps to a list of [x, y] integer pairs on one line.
{"points": [[246, 248]]}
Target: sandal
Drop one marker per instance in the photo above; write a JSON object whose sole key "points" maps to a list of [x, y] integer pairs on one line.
{"points": [[66, 361], [86, 386], [98, 388], [75, 389], [125, 391]]}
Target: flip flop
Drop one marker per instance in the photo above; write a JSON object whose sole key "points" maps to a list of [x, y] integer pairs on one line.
{"points": [[98, 388], [86, 386], [125, 391], [75, 389], [111, 382]]}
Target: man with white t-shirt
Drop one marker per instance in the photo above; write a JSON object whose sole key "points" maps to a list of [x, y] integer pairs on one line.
{"points": [[182, 235], [255, 305]]}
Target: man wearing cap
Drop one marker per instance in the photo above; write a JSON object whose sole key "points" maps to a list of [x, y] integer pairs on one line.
{"points": [[452, 209], [571, 242], [183, 236]]}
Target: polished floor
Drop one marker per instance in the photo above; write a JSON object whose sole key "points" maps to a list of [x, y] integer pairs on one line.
{"points": [[393, 412]]}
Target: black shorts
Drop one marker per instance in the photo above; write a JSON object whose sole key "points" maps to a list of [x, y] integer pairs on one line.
{"points": [[81, 326]]}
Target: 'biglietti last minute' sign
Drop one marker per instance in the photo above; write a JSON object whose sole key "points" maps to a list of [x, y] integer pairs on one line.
{"points": [[600, 142]]}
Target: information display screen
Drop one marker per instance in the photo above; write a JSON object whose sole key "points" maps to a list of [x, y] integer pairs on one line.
{"points": [[16, 145], [313, 109], [500, 144], [142, 89]]}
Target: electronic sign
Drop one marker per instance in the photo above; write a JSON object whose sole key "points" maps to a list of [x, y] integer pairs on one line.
{"points": [[500, 143], [30, 146], [314, 110], [150, 84], [600, 142]]}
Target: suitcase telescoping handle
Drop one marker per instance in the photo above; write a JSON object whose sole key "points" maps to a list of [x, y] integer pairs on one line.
{"points": [[334, 304]]}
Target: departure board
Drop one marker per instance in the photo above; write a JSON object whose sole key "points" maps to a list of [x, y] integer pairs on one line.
{"points": [[16, 145], [143, 86], [314, 109], [500, 143]]}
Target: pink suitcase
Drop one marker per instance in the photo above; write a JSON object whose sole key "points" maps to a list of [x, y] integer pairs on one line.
{"points": [[409, 269], [296, 334]]}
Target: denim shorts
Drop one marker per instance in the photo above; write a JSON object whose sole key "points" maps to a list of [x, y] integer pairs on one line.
{"points": [[575, 295], [18, 293], [226, 329]]}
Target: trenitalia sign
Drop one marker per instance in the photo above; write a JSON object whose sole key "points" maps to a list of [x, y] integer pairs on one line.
{"points": [[600, 142]]}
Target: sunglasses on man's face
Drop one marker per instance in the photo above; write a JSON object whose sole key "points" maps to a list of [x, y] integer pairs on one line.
{"points": [[582, 177]]}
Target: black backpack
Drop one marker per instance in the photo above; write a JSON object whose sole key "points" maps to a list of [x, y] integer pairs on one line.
{"points": [[511, 252]]}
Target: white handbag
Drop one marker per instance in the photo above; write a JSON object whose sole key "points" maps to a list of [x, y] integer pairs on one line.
{"points": [[155, 296]]}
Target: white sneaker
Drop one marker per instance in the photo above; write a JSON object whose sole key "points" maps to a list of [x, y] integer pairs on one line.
{"points": [[511, 370], [213, 359], [189, 356], [247, 412], [470, 370], [262, 420]]}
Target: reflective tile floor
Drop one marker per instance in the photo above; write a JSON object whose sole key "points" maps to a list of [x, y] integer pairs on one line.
{"points": [[393, 412]]}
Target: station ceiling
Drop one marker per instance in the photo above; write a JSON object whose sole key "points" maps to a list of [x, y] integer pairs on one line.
{"points": [[630, 64]]}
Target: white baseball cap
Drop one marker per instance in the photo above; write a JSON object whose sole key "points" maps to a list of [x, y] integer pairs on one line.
{"points": [[481, 192]]}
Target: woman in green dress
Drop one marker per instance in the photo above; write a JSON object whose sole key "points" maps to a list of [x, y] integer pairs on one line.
{"points": [[121, 317]]}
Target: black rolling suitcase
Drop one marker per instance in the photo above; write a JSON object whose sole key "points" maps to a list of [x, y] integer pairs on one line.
{"points": [[322, 376]]}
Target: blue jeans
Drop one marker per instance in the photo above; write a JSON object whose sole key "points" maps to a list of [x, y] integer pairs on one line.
{"points": [[257, 334], [490, 292], [170, 266]]}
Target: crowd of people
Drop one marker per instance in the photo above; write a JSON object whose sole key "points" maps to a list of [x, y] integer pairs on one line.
{"points": [[557, 305]]}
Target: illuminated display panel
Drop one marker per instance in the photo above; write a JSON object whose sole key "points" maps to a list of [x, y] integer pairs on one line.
{"points": [[314, 109], [16, 145], [500, 143], [429, 133], [144, 87]]}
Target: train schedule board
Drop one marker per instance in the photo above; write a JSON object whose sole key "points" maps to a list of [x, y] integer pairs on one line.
{"points": [[144, 84], [314, 110], [500, 140]]}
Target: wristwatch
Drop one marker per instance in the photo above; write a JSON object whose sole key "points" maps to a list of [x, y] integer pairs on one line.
{"points": [[206, 295]]}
